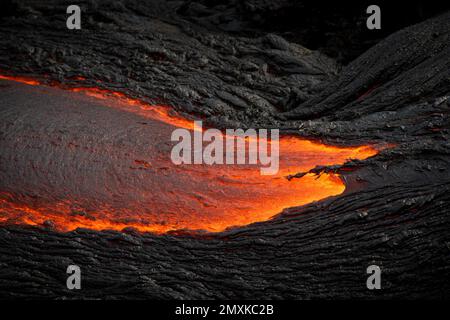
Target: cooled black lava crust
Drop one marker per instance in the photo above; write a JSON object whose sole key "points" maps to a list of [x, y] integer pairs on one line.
{"points": [[394, 214]]}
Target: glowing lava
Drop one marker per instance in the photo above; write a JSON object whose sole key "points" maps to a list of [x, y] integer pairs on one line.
{"points": [[97, 159]]}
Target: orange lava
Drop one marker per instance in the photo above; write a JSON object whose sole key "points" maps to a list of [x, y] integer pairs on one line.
{"points": [[157, 112], [211, 198], [25, 80]]}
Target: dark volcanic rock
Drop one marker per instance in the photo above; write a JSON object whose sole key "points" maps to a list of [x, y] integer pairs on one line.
{"points": [[394, 214], [335, 28]]}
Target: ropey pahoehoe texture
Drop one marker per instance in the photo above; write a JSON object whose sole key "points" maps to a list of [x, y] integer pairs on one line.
{"points": [[393, 214]]}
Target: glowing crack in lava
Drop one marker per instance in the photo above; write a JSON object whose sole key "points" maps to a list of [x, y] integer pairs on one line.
{"points": [[96, 159]]}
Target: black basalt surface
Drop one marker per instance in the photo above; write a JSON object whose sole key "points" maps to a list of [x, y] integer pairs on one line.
{"points": [[394, 213]]}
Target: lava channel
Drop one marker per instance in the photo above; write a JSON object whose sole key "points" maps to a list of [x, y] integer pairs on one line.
{"points": [[97, 159]]}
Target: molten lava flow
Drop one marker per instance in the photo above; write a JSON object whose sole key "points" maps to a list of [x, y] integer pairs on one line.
{"points": [[25, 80], [97, 159]]}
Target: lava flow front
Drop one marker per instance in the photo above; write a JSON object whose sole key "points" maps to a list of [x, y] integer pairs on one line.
{"points": [[96, 159]]}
